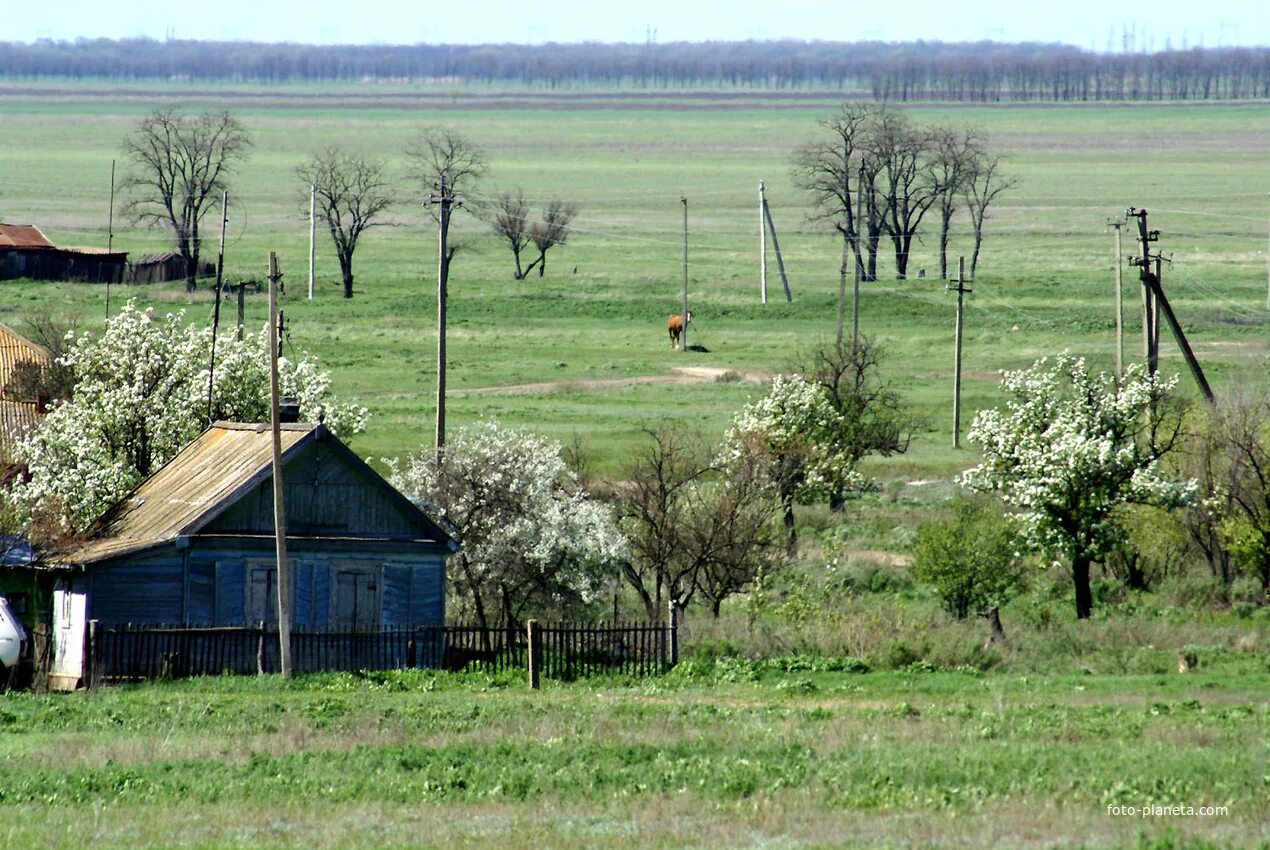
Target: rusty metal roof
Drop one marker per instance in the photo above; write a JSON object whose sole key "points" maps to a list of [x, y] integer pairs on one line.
{"points": [[23, 236], [18, 415], [220, 467], [16, 418], [14, 349]]}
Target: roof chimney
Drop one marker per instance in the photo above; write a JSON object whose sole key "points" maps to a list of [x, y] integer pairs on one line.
{"points": [[288, 409]]}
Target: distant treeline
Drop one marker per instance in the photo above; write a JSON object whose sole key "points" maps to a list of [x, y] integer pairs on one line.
{"points": [[985, 71]]}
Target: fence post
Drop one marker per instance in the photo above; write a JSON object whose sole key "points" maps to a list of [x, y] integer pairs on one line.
{"points": [[411, 654], [533, 653], [92, 645], [260, 651], [672, 631]]}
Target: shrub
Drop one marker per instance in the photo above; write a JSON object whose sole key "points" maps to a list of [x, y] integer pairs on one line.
{"points": [[969, 558]]}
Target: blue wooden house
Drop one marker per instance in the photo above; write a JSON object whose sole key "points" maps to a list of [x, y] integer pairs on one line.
{"points": [[193, 545]]}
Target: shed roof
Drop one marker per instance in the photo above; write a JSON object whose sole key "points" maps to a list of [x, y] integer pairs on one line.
{"points": [[14, 349], [222, 465], [23, 236], [17, 415]]}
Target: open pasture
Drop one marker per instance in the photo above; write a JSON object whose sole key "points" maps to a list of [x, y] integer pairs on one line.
{"points": [[589, 338], [733, 754]]}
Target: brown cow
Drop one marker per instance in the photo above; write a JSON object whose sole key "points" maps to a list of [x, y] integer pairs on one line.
{"points": [[675, 326]]}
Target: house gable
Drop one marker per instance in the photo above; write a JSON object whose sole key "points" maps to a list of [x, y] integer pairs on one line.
{"points": [[327, 492]]}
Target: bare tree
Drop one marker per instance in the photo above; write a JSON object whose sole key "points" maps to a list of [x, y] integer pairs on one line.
{"points": [[511, 222], [446, 164], [352, 191], [906, 179], [984, 182], [695, 527], [653, 508], [181, 164], [829, 170], [551, 231], [956, 151], [733, 532]]}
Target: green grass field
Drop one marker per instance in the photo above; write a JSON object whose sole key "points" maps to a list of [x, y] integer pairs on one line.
{"points": [[1045, 280], [942, 744], [714, 755]]}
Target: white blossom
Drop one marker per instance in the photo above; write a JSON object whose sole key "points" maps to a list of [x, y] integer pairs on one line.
{"points": [[526, 527], [140, 396]]}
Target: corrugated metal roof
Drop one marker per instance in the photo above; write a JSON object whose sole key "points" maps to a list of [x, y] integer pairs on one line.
{"points": [[23, 236], [15, 348], [19, 415], [16, 418], [225, 458]]}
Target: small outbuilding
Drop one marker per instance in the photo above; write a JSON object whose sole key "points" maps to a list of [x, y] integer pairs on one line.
{"points": [[193, 546], [26, 252]]}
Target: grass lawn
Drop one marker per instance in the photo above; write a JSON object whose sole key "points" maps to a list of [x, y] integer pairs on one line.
{"points": [[716, 754]]}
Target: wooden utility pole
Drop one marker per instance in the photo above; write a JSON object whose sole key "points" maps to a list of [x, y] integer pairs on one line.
{"points": [[1119, 263], [776, 246], [842, 294], [279, 513], [859, 263], [110, 230], [683, 297], [1160, 304], [312, 234], [443, 275], [762, 245], [1149, 354], [216, 290], [961, 289]]}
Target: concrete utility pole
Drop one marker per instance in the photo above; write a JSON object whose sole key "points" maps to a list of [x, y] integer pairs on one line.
{"points": [[312, 234], [683, 299], [762, 245], [776, 246], [1160, 304], [279, 513], [961, 289], [1119, 262]]}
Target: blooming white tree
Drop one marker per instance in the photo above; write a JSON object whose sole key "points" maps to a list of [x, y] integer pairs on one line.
{"points": [[1070, 448], [140, 395], [803, 437], [531, 537]]}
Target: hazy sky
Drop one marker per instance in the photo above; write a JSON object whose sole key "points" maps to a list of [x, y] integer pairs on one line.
{"points": [[1093, 24]]}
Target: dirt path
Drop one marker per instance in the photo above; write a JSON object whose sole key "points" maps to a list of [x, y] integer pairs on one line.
{"points": [[677, 375]]}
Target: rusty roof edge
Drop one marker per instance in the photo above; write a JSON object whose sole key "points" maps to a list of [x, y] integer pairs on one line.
{"points": [[22, 339]]}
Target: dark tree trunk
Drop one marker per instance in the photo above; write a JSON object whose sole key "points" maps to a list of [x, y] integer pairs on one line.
{"points": [[1084, 596], [945, 223], [791, 533], [996, 635], [191, 273], [542, 264], [346, 271]]}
